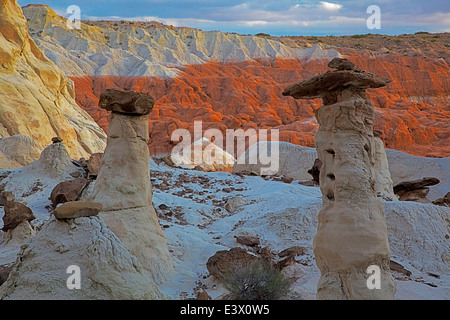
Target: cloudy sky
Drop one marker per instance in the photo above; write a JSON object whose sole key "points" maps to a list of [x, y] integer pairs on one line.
{"points": [[276, 17]]}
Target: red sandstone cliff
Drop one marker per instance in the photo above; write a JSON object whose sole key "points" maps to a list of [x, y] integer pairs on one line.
{"points": [[412, 112]]}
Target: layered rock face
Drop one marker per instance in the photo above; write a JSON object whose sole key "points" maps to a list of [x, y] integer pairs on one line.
{"points": [[235, 81], [351, 234], [37, 99], [107, 269], [123, 183]]}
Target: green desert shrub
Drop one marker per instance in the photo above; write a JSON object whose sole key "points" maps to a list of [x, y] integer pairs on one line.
{"points": [[256, 281]]}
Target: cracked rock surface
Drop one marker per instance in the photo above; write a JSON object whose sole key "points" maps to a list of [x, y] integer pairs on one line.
{"points": [[107, 269]]}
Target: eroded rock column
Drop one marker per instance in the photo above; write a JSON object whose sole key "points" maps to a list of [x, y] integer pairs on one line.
{"points": [[351, 234], [123, 184]]}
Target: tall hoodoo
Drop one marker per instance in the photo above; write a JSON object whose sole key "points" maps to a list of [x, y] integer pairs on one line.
{"points": [[123, 184], [351, 234]]}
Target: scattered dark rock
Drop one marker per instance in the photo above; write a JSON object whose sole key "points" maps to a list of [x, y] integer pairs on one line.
{"points": [[223, 261], [267, 255], [93, 164], [4, 273], [415, 190], [15, 214], [68, 191], [287, 179], [163, 207], [397, 267], [286, 262], [57, 140], [6, 196], [203, 295], [292, 251], [444, 201], [247, 240]]}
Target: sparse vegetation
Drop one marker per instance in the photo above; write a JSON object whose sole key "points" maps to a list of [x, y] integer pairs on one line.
{"points": [[359, 36], [256, 281], [263, 35]]}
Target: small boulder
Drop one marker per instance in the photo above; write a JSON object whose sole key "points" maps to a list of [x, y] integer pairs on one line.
{"points": [[223, 261], [416, 190], [341, 64], [292, 251], [203, 295], [4, 273], [77, 209], [444, 201], [93, 164], [15, 214], [234, 203], [6, 196], [57, 140], [126, 102], [287, 179], [416, 184], [68, 190], [247, 240]]}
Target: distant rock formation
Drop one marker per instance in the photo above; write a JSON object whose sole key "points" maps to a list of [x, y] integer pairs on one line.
{"points": [[416, 190], [123, 184], [157, 48], [37, 100], [293, 161], [352, 233], [245, 93], [107, 269], [203, 155]]}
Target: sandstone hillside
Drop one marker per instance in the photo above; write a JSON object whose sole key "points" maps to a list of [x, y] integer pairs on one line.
{"points": [[36, 98]]}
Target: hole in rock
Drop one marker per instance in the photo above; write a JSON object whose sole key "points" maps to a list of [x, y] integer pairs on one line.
{"points": [[331, 176], [330, 195], [330, 151], [366, 147]]}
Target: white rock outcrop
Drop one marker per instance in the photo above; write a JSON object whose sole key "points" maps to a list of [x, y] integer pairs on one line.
{"points": [[18, 151], [205, 155], [107, 269], [407, 167], [293, 161], [147, 48]]}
